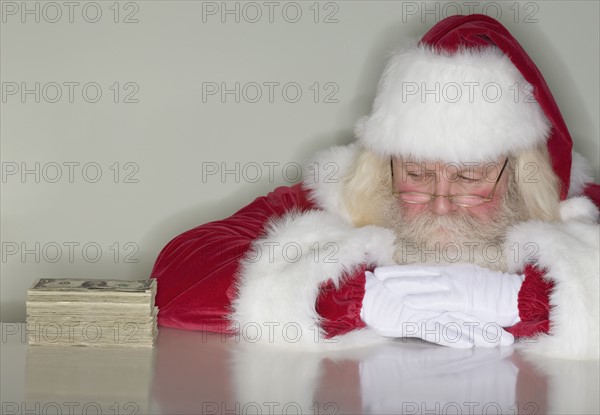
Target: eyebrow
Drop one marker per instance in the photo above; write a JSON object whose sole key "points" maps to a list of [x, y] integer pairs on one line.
{"points": [[458, 167]]}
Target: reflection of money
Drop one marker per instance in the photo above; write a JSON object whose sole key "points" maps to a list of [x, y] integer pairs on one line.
{"points": [[109, 380], [69, 284]]}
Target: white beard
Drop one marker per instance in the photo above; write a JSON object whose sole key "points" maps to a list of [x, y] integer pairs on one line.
{"points": [[453, 238]]}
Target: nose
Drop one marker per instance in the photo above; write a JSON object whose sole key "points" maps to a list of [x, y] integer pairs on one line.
{"points": [[441, 205]]}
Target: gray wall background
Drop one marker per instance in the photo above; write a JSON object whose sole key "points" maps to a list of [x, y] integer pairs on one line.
{"points": [[95, 185]]}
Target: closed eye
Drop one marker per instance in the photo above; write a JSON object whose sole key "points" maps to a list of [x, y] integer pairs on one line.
{"points": [[468, 179], [420, 177]]}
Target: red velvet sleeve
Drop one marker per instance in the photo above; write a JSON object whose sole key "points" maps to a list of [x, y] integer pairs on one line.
{"points": [[534, 305], [196, 271], [340, 307]]}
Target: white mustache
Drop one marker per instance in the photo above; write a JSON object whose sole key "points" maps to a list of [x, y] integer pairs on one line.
{"points": [[457, 237]]}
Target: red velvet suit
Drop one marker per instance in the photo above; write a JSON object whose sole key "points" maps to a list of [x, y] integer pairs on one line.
{"points": [[217, 276], [197, 273]]}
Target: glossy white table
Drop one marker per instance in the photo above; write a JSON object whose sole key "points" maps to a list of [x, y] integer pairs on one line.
{"points": [[195, 372]]}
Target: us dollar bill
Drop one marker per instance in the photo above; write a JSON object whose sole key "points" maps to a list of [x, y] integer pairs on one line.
{"points": [[73, 284]]}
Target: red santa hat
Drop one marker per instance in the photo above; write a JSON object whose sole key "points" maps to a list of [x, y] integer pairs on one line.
{"points": [[466, 92]]}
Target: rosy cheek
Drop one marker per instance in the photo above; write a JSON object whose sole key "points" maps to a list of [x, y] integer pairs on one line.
{"points": [[486, 210], [411, 210], [483, 211]]}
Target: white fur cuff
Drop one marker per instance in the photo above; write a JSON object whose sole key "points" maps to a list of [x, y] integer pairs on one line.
{"points": [[570, 254], [280, 277]]}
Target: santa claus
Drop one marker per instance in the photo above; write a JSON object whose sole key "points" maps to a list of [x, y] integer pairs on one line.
{"points": [[461, 216]]}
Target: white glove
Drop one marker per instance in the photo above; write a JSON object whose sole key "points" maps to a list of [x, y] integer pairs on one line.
{"points": [[385, 310], [487, 295]]}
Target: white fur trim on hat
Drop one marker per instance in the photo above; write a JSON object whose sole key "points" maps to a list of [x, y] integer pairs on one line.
{"points": [[471, 105]]}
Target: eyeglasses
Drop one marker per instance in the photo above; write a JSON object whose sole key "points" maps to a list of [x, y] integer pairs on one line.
{"points": [[464, 200]]}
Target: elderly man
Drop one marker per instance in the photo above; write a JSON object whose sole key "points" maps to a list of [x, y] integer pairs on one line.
{"points": [[461, 217]]}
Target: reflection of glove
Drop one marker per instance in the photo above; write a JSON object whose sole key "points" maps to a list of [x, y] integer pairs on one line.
{"points": [[385, 310], [487, 295], [413, 378]]}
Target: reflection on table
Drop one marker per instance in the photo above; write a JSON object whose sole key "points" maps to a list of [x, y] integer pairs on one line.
{"points": [[196, 372]]}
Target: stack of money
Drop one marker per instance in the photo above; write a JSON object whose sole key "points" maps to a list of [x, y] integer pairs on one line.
{"points": [[83, 312]]}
